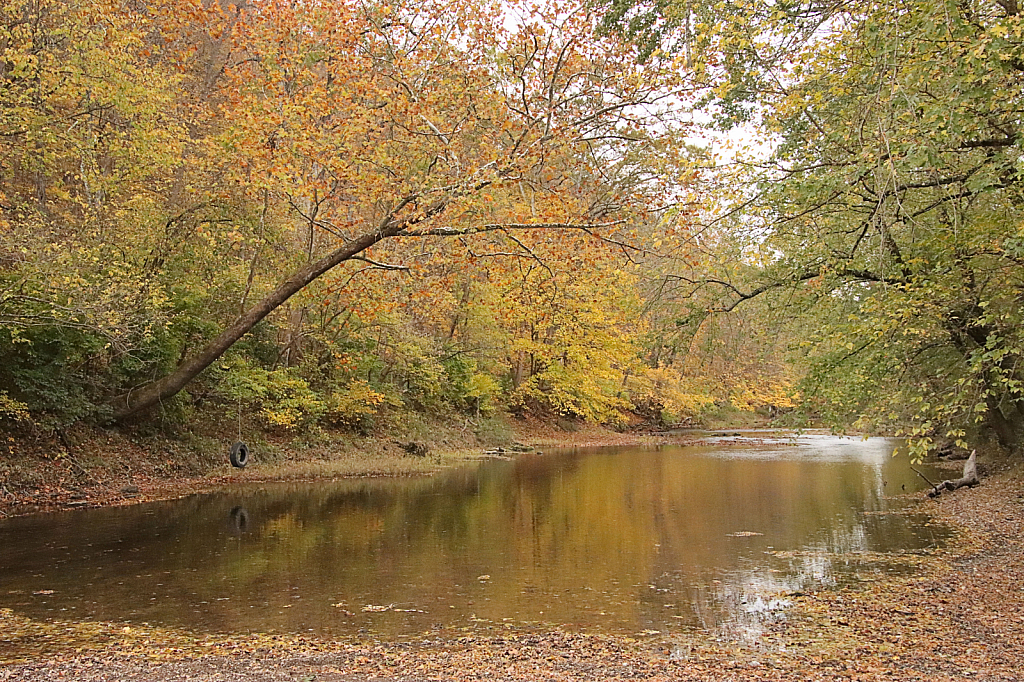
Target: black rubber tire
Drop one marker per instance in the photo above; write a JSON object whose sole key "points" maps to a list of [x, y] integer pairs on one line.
{"points": [[239, 455]]}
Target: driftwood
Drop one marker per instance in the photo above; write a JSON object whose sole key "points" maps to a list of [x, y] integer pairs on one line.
{"points": [[968, 480], [655, 426], [413, 448], [514, 448]]}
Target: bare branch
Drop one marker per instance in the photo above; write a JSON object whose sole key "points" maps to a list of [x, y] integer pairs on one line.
{"points": [[380, 266]]}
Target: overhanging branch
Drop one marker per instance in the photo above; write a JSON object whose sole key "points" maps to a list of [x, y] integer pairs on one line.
{"points": [[739, 295]]}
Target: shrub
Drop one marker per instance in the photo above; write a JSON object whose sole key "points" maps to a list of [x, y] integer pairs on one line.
{"points": [[355, 406], [281, 398]]}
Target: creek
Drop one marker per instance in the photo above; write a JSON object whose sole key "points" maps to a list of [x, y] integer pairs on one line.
{"points": [[713, 536]]}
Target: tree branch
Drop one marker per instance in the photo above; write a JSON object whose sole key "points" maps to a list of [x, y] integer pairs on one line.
{"points": [[380, 266], [494, 227]]}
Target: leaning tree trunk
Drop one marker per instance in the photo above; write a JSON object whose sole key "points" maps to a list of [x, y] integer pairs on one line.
{"points": [[149, 395]]}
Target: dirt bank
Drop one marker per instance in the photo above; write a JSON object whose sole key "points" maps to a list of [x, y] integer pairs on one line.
{"points": [[959, 615], [90, 466]]}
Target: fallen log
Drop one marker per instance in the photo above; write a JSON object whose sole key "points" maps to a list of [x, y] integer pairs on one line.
{"points": [[968, 480]]}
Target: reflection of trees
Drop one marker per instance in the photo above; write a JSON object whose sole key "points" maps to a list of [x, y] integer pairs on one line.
{"points": [[562, 538]]}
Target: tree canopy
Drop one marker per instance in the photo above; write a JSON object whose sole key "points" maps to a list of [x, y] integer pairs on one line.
{"points": [[322, 211], [177, 174], [888, 216]]}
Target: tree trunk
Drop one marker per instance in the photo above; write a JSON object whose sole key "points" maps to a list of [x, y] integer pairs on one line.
{"points": [[1005, 430], [149, 395], [967, 334]]}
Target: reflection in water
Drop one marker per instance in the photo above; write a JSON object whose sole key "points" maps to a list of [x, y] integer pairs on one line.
{"points": [[616, 540], [239, 520]]}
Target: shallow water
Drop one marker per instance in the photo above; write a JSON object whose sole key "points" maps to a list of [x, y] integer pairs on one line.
{"points": [[611, 539]]}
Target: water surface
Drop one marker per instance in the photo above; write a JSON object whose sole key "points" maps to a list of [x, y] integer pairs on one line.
{"points": [[612, 539]]}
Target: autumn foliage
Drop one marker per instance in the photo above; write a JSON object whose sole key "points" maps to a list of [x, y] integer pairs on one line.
{"points": [[325, 211]]}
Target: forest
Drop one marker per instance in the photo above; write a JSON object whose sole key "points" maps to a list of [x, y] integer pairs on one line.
{"points": [[324, 214]]}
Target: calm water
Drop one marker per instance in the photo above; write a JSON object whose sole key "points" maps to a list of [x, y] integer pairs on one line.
{"points": [[620, 540]]}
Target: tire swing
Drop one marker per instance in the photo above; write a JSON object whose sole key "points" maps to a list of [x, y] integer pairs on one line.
{"points": [[239, 455]]}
